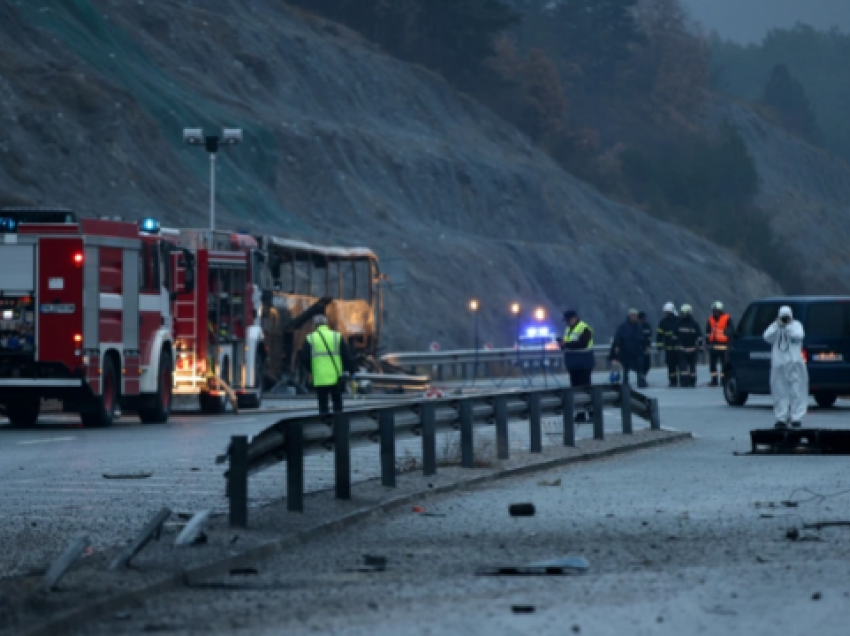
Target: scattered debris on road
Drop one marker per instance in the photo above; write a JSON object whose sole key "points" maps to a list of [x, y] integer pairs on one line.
{"points": [[825, 524], [553, 567], [523, 609], [522, 510], [244, 572], [375, 561], [544, 482], [140, 475]]}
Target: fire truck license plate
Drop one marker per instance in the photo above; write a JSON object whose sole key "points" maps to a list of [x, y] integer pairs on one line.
{"points": [[58, 309]]}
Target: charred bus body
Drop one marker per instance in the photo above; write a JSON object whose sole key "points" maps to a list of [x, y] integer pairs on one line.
{"points": [[305, 280]]}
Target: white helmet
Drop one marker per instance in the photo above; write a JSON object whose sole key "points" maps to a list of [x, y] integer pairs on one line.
{"points": [[686, 309], [670, 307], [717, 305]]}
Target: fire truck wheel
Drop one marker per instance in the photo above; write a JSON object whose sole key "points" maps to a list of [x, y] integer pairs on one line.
{"points": [[159, 412], [23, 413], [102, 412]]}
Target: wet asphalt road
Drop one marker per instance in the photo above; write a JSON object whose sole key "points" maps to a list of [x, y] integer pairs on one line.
{"points": [[689, 539]]}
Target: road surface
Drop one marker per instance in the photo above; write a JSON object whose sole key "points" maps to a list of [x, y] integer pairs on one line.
{"points": [[681, 540]]}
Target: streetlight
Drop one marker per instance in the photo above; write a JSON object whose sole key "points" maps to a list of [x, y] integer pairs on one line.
{"points": [[516, 310], [473, 307], [228, 137]]}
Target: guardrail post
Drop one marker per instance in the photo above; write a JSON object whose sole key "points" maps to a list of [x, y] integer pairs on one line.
{"points": [[294, 448], [626, 408], [535, 432], [386, 425], [428, 414], [466, 452], [237, 476], [598, 413], [502, 443], [654, 415], [342, 456], [568, 405]]}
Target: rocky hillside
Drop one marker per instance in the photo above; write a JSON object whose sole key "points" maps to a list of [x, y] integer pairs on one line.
{"points": [[806, 191], [344, 145]]}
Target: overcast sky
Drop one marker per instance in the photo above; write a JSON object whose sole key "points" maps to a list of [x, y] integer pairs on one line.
{"points": [[750, 20]]}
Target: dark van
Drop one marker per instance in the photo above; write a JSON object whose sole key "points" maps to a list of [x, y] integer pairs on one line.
{"points": [[826, 348]]}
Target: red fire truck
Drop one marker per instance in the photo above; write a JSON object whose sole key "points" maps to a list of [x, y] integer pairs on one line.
{"points": [[218, 337], [87, 315]]}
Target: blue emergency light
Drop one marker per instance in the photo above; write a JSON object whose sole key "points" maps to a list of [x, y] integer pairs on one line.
{"points": [[151, 226], [8, 225], [533, 332]]}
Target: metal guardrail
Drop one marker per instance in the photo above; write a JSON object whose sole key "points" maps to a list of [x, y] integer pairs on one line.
{"points": [[291, 439], [435, 363]]}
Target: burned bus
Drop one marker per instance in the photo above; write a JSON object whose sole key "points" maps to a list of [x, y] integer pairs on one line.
{"points": [[305, 280]]}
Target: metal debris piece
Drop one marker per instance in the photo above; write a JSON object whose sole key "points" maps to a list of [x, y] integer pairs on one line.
{"points": [[825, 524], [375, 561], [140, 475], [522, 510], [544, 482], [64, 562], [554, 567], [194, 530], [244, 572], [523, 609], [152, 530]]}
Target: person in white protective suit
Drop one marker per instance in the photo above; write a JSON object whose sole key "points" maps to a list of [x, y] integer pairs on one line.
{"points": [[789, 379]]}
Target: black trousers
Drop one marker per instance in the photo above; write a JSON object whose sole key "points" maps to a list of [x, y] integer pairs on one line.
{"points": [[325, 392], [581, 377], [671, 357], [716, 357], [647, 363], [688, 367]]}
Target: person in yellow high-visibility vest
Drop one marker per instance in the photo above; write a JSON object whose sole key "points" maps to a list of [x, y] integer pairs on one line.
{"points": [[326, 356]]}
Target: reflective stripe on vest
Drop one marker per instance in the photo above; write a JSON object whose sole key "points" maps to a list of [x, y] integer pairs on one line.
{"points": [[572, 334], [718, 329], [326, 364]]}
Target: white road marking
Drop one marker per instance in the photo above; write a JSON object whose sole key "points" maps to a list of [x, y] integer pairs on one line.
{"points": [[51, 440], [241, 420]]}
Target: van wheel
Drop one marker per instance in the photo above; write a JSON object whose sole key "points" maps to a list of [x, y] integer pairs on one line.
{"points": [[159, 412], [734, 396], [825, 400], [23, 413], [102, 411]]}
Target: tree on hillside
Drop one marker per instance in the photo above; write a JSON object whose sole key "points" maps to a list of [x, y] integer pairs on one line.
{"points": [[787, 98], [595, 37], [452, 37], [544, 104], [672, 67]]}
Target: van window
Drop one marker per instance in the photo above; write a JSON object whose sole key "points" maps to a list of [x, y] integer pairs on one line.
{"points": [[758, 318], [828, 320]]}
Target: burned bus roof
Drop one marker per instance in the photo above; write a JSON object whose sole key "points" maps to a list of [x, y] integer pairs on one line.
{"points": [[303, 246]]}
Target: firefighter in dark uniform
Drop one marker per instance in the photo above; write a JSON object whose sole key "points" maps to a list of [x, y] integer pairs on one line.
{"points": [[689, 337], [718, 333], [665, 340]]}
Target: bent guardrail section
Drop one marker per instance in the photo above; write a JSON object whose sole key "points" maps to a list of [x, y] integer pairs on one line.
{"points": [[291, 439]]}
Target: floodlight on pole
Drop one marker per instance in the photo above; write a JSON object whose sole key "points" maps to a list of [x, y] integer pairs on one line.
{"points": [[211, 143], [540, 314]]}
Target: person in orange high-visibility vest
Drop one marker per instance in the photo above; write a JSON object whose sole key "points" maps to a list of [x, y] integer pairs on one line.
{"points": [[718, 330]]}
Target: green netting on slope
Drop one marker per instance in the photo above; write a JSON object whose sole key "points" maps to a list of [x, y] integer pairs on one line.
{"points": [[112, 52]]}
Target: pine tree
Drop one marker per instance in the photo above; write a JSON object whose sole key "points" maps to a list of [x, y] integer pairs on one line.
{"points": [[787, 98], [596, 36]]}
